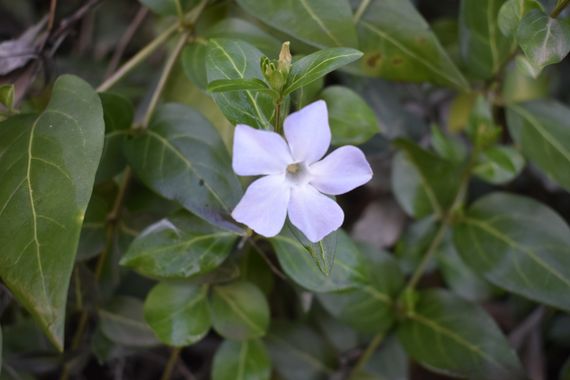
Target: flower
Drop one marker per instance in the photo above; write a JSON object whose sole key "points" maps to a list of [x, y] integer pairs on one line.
{"points": [[296, 176]]}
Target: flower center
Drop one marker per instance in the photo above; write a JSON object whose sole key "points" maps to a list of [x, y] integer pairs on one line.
{"points": [[297, 173]]}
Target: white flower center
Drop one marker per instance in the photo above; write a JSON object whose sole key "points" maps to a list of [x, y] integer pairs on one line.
{"points": [[298, 173]]}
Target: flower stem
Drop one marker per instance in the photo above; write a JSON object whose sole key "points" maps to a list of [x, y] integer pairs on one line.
{"points": [[366, 355], [138, 58], [174, 354], [278, 116], [360, 11], [559, 8]]}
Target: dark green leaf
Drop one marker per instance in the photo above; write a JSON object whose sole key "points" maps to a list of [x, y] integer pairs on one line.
{"points": [[351, 119], [118, 113], [323, 252], [512, 12], [499, 164], [390, 362], [122, 322], [423, 183], [299, 264], [239, 29], [182, 157], [247, 360], [321, 23], [458, 338], [317, 65], [178, 313], [168, 7], [398, 44], [298, 352], [519, 245], [308, 94], [543, 39], [414, 242], [93, 231], [233, 59], [369, 306], [254, 269], [541, 130], [226, 85], [484, 48], [193, 60], [239, 311], [47, 167], [181, 246], [448, 147]]}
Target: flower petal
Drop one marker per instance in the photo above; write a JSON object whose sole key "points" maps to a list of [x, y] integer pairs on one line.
{"points": [[315, 214], [344, 169], [308, 132], [263, 207], [259, 152]]}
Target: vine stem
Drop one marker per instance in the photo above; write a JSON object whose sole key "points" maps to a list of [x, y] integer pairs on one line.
{"points": [[172, 359], [366, 355], [559, 8], [138, 58]]}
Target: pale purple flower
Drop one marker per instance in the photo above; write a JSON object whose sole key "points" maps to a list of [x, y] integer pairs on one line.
{"points": [[295, 178]]}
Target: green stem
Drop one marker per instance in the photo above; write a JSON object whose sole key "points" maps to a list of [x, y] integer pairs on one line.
{"points": [[138, 58], [167, 374], [559, 8], [366, 355], [360, 11], [278, 116], [168, 67]]}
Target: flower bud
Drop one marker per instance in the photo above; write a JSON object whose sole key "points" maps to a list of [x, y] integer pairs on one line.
{"points": [[276, 71], [285, 58]]}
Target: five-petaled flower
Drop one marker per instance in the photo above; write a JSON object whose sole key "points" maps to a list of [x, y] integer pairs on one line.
{"points": [[296, 179]]}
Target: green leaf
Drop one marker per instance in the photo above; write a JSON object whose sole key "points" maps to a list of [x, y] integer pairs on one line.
{"points": [[168, 7], [484, 48], [519, 245], [540, 128], [226, 85], [308, 94], [414, 242], [179, 247], [499, 164], [543, 39], [512, 12], [122, 322], [390, 362], [399, 45], [317, 65], [193, 60], [299, 264], [422, 182], [351, 119], [520, 85], [448, 147], [323, 252], [298, 352], [233, 59], [47, 166], [453, 336], [239, 29], [321, 23], [93, 232], [369, 306], [178, 313], [253, 268], [247, 360], [182, 157], [7, 92], [239, 311], [118, 113]]}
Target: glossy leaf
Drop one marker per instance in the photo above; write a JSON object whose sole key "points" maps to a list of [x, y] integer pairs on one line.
{"points": [[369, 306], [299, 264], [179, 247], [518, 244], [322, 23], [298, 352], [47, 166], [351, 119], [118, 113], [543, 39], [248, 360], [423, 183], [450, 335], [178, 313], [182, 157], [233, 59], [193, 60], [239, 311], [541, 130], [226, 85], [317, 65], [499, 164], [484, 48], [251, 33], [398, 44], [512, 12], [122, 322]]}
